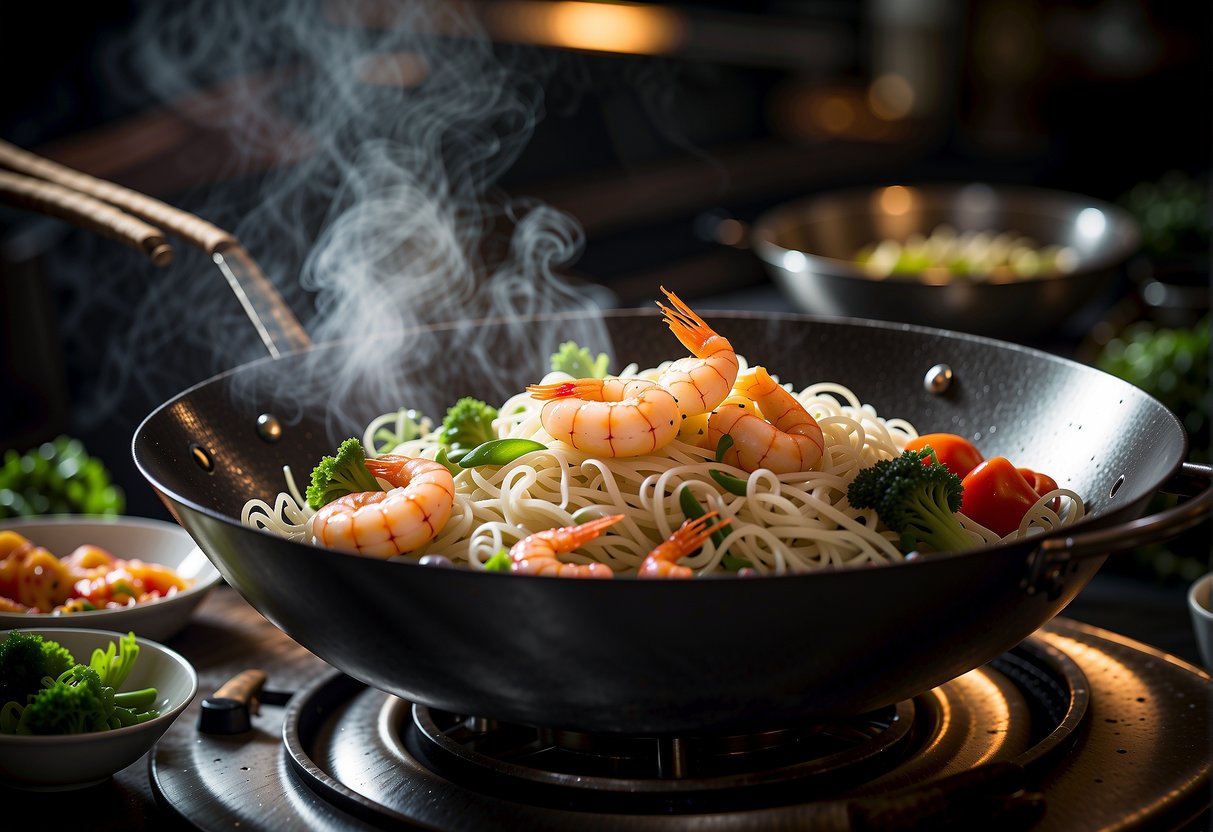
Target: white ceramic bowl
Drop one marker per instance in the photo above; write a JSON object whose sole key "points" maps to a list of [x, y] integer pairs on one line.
{"points": [[1200, 604], [73, 761], [153, 541]]}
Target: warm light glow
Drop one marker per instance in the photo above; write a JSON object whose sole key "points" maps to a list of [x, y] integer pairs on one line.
{"points": [[891, 97], [393, 69], [836, 114], [602, 27], [896, 200], [730, 232]]}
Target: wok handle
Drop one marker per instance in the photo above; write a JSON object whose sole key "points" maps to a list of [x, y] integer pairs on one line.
{"points": [[277, 326], [86, 212], [1049, 562]]}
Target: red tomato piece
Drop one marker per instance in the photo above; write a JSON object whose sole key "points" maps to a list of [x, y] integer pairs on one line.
{"points": [[997, 496], [957, 454]]}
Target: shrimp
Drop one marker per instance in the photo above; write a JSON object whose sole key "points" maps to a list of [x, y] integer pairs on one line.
{"points": [[388, 523], [660, 563], [536, 553], [609, 417], [701, 381], [781, 436]]}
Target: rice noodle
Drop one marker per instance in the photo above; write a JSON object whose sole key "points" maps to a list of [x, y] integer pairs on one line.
{"points": [[784, 523]]}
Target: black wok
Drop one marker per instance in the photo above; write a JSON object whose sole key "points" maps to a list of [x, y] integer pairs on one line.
{"points": [[707, 655]]}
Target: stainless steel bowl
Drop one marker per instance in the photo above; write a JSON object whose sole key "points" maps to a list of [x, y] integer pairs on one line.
{"points": [[809, 248]]}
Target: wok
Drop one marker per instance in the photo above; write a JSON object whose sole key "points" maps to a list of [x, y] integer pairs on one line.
{"points": [[681, 657], [633, 656]]}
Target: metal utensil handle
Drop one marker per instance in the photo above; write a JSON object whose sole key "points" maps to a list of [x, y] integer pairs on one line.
{"points": [[84, 211], [1047, 564]]}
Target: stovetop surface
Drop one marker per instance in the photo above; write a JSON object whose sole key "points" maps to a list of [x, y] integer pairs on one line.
{"points": [[1139, 753], [227, 635]]}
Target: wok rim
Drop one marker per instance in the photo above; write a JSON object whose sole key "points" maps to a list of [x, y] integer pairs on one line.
{"points": [[1014, 548], [770, 251]]}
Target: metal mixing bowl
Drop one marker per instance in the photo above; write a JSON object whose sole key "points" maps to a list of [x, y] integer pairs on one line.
{"points": [[809, 248]]}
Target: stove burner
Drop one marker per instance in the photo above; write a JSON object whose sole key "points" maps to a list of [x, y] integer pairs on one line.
{"points": [[661, 765], [996, 747]]}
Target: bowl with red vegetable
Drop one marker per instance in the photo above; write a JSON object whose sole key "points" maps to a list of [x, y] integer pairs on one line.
{"points": [[108, 573], [79, 705]]}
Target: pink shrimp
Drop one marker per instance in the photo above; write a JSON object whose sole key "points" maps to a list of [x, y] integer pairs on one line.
{"points": [[536, 553], [609, 417], [661, 562], [388, 523], [701, 381], [782, 436]]}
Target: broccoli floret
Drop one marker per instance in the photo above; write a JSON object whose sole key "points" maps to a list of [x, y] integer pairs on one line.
{"points": [[340, 475], [25, 659], [82, 697], [468, 423], [916, 498], [576, 360], [74, 704]]}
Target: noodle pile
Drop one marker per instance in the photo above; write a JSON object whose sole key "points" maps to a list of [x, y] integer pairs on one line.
{"points": [[785, 523]]}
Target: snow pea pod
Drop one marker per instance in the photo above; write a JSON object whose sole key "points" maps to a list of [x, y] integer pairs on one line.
{"points": [[499, 452]]}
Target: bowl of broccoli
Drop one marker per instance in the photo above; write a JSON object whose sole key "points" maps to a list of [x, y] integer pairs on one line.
{"points": [[78, 705]]}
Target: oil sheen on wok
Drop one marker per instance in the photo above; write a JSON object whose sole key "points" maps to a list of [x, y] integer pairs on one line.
{"points": [[707, 464]]}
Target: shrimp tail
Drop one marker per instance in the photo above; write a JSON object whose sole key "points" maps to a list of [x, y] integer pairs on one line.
{"points": [[564, 389], [688, 328]]}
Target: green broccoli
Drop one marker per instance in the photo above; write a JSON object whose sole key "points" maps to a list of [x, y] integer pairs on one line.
{"points": [[468, 423], [340, 475], [576, 360], [917, 499], [80, 699], [25, 660]]}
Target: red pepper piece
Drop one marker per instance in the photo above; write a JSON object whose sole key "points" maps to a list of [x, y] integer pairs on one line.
{"points": [[997, 496], [955, 453], [1042, 484]]}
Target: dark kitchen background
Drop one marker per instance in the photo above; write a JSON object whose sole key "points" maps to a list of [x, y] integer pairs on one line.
{"points": [[663, 141]]}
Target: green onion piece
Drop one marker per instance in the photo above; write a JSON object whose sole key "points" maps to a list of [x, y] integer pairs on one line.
{"points": [[733, 563], [693, 509], [499, 452], [499, 562], [728, 482]]}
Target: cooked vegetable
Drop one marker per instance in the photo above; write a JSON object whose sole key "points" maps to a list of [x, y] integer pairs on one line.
{"points": [[82, 698], [916, 497], [57, 477], [1006, 255], [499, 562], [576, 360], [408, 424], [693, 510], [957, 454], [25, 659], [997, 496], [340, 475], [1042, 484], [730, 483], [468, 423], [499, 452]]}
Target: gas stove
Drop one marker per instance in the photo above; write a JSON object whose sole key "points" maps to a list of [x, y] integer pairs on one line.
{"points": [[1075, 729]]}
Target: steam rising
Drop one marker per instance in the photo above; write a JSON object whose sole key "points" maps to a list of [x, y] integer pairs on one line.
{"points": [[387, 130]]}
